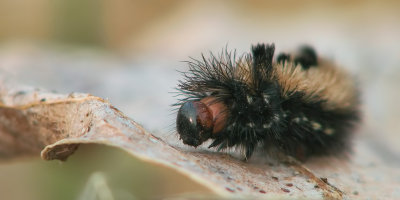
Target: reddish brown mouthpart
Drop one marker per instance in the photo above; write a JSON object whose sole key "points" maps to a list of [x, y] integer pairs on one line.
{"points": [[219, 113]]}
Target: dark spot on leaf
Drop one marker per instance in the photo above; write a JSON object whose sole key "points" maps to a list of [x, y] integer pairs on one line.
{"points": [[43, 100], [285, 190], [324, 180], [289, 184], [263, 191], [275, 178], [230, 189]]}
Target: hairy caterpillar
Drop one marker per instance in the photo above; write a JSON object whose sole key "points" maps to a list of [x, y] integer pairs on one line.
{"points": [[298, 104]]}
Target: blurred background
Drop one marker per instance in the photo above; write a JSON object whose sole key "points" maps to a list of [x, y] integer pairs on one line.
{"points": [[129, 51]]}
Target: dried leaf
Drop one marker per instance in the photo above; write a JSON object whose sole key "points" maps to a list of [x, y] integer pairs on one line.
{"points": [[33, 121]]}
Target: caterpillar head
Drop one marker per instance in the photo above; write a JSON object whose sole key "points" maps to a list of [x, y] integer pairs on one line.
{"points": [[197, 121]]}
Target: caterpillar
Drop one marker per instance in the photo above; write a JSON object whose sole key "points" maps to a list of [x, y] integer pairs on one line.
{"points": [[298, 103]]}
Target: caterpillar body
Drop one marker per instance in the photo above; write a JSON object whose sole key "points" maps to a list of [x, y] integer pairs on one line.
{"points": [[298, 104]]}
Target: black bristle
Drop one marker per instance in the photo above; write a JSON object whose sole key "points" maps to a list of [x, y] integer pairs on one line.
{"points": [[306, 57], [262, 62], [283, 58]]}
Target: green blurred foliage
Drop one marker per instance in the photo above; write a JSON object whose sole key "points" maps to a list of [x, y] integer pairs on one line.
{"points": [[98, 23], [125, 176], [77, 21]]}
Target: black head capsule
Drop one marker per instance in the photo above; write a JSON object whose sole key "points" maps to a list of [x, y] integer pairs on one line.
{"points": [[194, 123]]}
